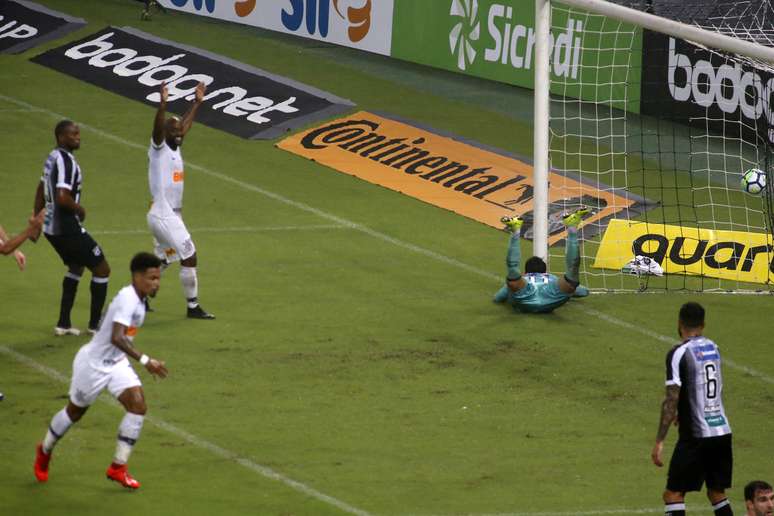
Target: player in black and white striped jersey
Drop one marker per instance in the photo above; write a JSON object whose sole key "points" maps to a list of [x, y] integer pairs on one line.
{"points": [[694, 385], [59, 191]]}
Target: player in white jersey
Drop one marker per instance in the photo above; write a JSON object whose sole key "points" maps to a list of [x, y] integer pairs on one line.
{"points": [[166, 176], [103, 363], [694, 385]]}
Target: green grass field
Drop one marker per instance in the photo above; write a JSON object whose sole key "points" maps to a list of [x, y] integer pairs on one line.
{"points": [[356, 366]]}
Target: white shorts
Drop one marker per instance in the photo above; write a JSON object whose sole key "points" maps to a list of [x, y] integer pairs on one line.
{"points": [[88, 382], [171, 239]]}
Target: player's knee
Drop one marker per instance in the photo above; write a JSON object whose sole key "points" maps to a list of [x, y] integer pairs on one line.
{"points": [[189, 262], [673, 496], [74, 412], [715, 496], [137, 407], [102, 270]]}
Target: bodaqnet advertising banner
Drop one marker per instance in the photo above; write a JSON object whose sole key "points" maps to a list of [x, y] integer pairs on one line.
{"points": [[496, 40], [362, 24]]}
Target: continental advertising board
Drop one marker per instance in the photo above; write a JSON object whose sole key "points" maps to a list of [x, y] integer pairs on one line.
{"points": [[732, 255], [362, 24], [495, 39], [477, 183]]}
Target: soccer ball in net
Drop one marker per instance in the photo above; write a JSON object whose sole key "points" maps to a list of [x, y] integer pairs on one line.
{"points": [[754, 181]]}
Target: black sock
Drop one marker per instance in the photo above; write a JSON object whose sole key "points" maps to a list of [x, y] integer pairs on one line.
{"points": [[674, 509], [723, 508], [69, 288], [98, 295]]}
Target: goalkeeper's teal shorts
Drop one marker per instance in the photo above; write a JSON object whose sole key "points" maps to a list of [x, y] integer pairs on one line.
{"points": [[541, 294]]}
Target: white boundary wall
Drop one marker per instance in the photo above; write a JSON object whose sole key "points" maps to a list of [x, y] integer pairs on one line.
{"points": [[361, 24]]}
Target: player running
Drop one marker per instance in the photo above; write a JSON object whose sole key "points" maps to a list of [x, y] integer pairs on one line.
{"points": [[59, 191], [538, 291], [166, 175], [103, 364], [694, 385]]}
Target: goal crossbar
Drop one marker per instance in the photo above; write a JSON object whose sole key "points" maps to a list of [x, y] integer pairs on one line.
{"points": [[675, 29]]}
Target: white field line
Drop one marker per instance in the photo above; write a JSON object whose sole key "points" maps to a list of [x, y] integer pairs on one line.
{"points": [[399, 243], [245, 229], [198, 441]]}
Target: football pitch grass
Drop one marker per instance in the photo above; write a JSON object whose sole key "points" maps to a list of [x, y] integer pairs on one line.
{"points": [[357, 364]]}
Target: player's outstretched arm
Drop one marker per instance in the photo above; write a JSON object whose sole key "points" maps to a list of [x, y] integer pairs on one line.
{"points": [[161, 112], [668, 416], [189, 116], [38, 204], [121, 341], [9, 245]]}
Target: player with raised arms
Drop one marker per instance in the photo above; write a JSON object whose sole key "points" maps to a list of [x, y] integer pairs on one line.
{"points": [[537, 291], [166, 176], [103, 363]]}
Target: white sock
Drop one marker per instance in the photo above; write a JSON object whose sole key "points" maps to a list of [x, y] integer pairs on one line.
{"points": [[59, 425], [128, 433], [190, 285]]}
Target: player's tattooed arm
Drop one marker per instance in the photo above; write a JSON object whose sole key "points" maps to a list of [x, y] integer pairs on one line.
{"points": [[120, 340], [189, 116], [668, 416], [668, 411], [161, 113]]}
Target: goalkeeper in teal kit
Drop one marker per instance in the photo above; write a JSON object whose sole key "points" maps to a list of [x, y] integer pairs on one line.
{"points": [[537, 291]]}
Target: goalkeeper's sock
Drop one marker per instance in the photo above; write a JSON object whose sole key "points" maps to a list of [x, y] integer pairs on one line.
{"points": [[674, 509], [572, 257], [513, 258]]}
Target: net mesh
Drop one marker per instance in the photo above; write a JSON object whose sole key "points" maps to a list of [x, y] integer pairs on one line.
{"points": [[663, 130]]}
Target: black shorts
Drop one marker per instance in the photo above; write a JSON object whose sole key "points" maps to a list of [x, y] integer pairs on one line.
{"points": [[698, 461], [77, 250]]}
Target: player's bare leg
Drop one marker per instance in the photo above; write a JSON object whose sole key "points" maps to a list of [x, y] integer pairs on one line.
{"points": [[69, 289], [60, 423], [720, 504], [191, 288], [99, 285], [133, 400]]}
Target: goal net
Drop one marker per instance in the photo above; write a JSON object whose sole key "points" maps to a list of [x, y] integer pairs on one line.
{"points": [[664, 130]]}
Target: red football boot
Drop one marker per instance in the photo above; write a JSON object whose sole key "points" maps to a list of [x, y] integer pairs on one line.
{"points": [[41, 463], [118, 473]]}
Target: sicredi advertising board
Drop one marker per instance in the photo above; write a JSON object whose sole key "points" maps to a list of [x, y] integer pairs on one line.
{"points": [[362, 24], [495, 39]]}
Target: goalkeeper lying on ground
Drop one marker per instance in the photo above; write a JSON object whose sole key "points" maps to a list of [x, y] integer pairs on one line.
{"points": [[538, 291]]}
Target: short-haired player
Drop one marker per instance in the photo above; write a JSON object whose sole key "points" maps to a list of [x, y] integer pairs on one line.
{"points": [[103, 363], [694, 387], [166, 176]]}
